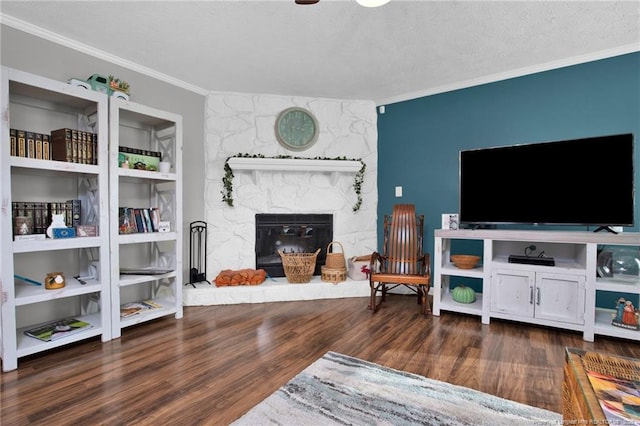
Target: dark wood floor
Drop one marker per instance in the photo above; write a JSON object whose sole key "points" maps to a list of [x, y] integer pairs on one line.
{"points": [[219, 361]]}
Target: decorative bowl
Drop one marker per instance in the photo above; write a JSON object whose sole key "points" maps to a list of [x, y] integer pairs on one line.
{"points": [[465, 261]]}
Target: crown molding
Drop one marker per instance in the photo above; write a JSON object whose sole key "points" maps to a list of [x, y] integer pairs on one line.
{"points": [[92, 51], [519, 72]]}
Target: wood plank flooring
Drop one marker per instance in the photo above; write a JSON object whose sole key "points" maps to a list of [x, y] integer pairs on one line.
{"points": [[217, 362]]}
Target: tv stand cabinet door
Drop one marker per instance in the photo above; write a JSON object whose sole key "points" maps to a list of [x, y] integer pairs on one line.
{"points": [[560, 297], [512, 293]]}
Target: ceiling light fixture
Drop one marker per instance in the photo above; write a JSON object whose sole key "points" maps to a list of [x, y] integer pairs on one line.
{"points": [[372, 3]]}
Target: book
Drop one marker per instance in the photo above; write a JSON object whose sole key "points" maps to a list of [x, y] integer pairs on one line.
{"points": [[147, 220], [75, 146], [95, 148], [40, 217], [46, 147], [58, 329], [155, 218], [82, 147], [90, 159], [134, 308], [22, 143], [73, 212], [31, 145], [139, 221], [39, 138], [61, 145], [13, 137], [126, 222]]}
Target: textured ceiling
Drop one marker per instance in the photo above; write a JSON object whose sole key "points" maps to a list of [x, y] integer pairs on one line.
{"points": [[336, 48]]}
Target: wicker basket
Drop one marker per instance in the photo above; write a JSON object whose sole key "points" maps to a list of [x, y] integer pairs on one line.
{"points": [[299, 267], [335, 260], [333, 275]]}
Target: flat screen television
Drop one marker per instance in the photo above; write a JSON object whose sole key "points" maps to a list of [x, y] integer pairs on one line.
{"points": [[586, 181]]}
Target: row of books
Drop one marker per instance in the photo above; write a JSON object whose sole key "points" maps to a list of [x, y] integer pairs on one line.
{"points": [[30, 144], [134, 220], [137, 151], [70, 145], [37, 215]]}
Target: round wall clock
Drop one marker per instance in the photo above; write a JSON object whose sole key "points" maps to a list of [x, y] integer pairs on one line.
{"points": [[296, 129]]}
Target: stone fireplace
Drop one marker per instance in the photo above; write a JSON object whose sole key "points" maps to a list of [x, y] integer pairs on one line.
{"points": [[238, 123]]}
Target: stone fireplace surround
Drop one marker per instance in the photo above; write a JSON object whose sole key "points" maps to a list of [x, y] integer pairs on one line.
{"points": [[243, 123]]}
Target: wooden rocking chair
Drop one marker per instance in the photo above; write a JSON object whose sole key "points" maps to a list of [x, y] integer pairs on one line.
{"points": [[403, 261]]}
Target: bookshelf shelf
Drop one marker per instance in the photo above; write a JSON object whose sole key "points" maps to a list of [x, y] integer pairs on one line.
{"points": [[147, 237], [148, 175], [38, 105], [126, 280], [29, 345], [35, 166], [28, 294], [168, 307], [59, 244]]}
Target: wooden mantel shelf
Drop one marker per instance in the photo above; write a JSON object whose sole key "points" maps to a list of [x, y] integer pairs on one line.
{"points": [[255, 165]]}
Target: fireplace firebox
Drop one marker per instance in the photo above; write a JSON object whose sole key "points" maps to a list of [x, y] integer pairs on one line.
{"points": [[291, 233]]}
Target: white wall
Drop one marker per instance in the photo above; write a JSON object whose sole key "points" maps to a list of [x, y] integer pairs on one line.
{"points": [[240, 123]]}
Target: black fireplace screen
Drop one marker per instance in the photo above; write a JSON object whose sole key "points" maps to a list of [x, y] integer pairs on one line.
{"points": [[291, 233]]}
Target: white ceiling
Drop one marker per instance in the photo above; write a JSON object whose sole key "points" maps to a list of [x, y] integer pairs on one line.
{"points": [[336, 48]]}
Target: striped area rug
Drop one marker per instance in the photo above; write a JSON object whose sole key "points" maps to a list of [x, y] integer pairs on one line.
{"points": [[342, 390]]}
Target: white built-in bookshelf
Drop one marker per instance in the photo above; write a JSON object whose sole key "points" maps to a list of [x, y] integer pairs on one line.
{"points": [[137, 192], [38, 105], [91, 261]]}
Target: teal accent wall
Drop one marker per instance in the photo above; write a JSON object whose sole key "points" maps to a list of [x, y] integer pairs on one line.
{"points": [[419, 140]]}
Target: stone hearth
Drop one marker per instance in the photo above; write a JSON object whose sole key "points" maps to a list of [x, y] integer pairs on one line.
{"points": [[273, 290]]}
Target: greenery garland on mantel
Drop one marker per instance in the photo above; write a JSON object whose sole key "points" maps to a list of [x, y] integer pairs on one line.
{"points": [[227, 179]]}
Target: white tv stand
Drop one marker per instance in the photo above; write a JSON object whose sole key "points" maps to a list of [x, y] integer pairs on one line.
{"points": [[562, 296]]}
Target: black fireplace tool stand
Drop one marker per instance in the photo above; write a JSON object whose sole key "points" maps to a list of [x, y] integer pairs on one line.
{"points": [[198, 253]]}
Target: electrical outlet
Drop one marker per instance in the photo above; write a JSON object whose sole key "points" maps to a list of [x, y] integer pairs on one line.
{"points": [[398, 191]]}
